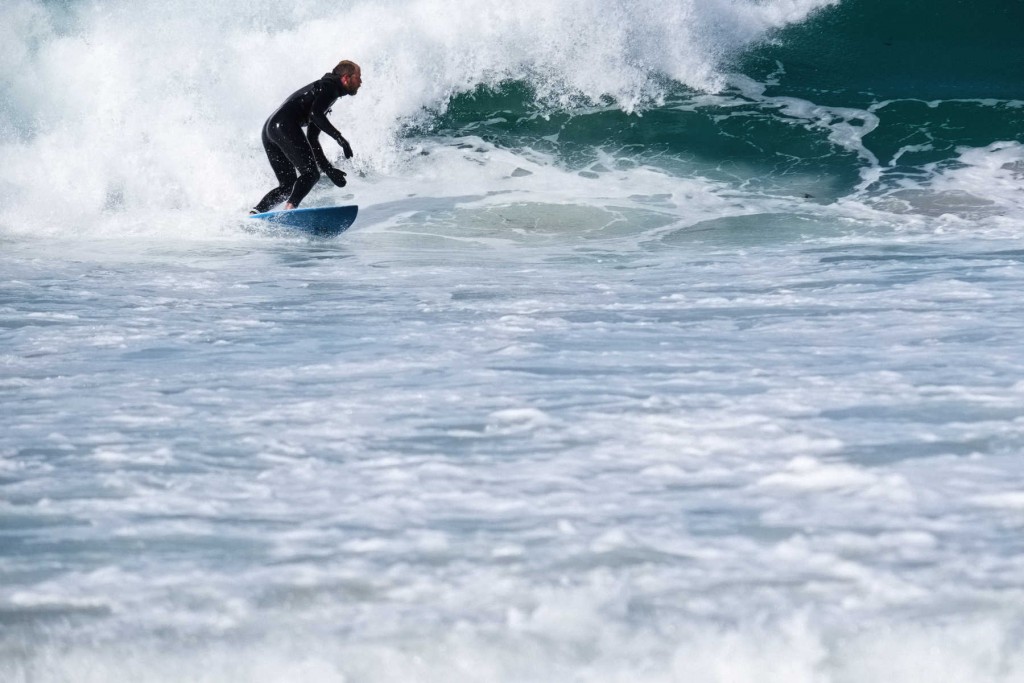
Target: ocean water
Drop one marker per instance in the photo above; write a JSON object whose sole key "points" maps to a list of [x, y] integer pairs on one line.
{"points": [[676, 341]]}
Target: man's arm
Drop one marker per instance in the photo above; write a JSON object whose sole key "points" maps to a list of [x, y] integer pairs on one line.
{"points": [[337, 176], [318, 118], [313, 136]]}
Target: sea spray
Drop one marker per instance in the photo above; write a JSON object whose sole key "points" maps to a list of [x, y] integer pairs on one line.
{"points": [[146, 107]]}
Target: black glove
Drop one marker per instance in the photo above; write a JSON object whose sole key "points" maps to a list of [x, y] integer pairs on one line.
{"points": [[345, 147], [337, 176]]}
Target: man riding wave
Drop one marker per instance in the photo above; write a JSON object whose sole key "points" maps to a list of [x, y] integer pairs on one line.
{"points": [[296, 158]]}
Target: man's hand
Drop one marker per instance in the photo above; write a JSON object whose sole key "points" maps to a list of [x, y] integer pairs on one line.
{"points": [[337, 176], [345, 147]]}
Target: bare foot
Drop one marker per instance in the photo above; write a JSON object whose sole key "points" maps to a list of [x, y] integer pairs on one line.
{"points": [[289, 206]]}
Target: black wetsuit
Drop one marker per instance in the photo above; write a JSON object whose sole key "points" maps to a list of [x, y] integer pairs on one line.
{"points": [[288, 149]]}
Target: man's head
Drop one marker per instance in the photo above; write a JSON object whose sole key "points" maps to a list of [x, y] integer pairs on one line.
{"points": [[350, 74]]}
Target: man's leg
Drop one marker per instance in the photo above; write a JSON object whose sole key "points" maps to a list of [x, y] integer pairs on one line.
{"points": [[295, 146], [284, 171]]}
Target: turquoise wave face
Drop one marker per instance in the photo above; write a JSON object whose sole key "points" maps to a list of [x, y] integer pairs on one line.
{"points": [[940, 76], [863, 50], [728, 138], [862, 97], [766, 144]]}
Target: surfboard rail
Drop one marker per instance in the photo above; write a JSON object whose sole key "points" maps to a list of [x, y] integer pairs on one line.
{"points": [[320, 221]]}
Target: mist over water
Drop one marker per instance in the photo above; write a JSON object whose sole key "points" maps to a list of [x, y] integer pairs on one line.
{"points": [[674, 342]]}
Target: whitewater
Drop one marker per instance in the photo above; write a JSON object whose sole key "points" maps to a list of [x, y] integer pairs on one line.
{"points": [[674, 342]]}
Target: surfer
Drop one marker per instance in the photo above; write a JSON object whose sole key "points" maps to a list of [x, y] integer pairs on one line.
{"points": [[289, 150]]}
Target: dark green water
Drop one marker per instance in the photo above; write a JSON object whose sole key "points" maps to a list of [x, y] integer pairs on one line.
{"points": [[864, 96]]}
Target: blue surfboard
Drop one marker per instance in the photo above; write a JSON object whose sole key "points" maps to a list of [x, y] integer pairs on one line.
{"points": [[326, 221]]}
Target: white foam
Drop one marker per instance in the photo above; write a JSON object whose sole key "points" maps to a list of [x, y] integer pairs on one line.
{"points": [[806, 473], [794, 650], [994, 174]]}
